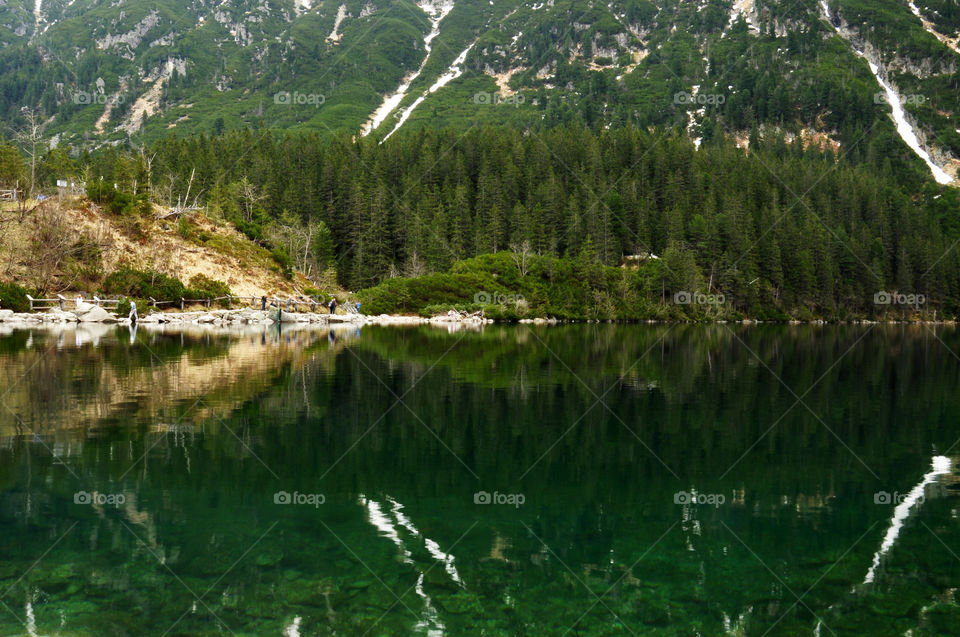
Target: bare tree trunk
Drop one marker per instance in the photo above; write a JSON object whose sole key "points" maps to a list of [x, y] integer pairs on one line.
{"points": [[30, 137]]}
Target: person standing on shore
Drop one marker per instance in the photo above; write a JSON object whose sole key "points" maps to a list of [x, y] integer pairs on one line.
{"points": [[333, 305], [133, 312]]}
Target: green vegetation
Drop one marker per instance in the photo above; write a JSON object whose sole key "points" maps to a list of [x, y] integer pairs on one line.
{"points": [[783, 231], [588, 163], [203, 287], [511, 286], [14, 297], [142, 284], [574, 63], [146, 284]]}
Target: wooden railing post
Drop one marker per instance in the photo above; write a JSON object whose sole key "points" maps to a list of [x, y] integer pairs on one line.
{"points": [[181, 303], [30, 298]]}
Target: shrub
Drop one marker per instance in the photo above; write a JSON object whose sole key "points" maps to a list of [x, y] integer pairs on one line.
{"points": [[127, 281], [203, 287], [183, 227], [282, 257], [14, 297]]}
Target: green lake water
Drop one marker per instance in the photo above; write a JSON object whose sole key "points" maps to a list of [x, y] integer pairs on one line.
{"points": [[514, 480]]}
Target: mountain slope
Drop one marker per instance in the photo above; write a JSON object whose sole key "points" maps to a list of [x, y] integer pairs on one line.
{"points": [[134, 70]]}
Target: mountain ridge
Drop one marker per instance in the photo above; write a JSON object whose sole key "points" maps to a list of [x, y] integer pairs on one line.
{"points": [[132, 72]]}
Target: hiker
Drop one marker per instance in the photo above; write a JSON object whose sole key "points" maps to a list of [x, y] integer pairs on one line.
{"points": [[333, 305], [263, 303], [133, 312]]}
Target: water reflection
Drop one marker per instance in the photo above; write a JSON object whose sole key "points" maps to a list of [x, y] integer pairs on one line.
{"points": [[696, 496]]}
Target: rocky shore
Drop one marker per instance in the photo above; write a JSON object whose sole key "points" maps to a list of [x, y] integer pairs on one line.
{"points": [[221, 317]]}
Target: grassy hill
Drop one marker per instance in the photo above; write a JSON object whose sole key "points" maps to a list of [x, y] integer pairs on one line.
{"points": [[74, 246]]}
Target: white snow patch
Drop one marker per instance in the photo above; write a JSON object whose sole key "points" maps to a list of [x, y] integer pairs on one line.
{"points": [[904, 129], [37, 15], [437, 10], [293, 628], [341, 14], [455, 71]]}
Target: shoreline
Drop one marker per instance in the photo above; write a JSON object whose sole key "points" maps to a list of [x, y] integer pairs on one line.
{"points": [[251, 317]]}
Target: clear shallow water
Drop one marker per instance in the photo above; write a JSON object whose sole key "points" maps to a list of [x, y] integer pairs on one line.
{"points": [[187, 442]]}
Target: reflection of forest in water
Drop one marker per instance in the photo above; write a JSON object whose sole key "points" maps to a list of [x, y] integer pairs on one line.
{"points": [[699, 396], [88, 377], [512, 409]]}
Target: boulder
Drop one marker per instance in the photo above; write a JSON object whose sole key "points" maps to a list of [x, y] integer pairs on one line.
{"points": [[95, 314], [6, 314]]}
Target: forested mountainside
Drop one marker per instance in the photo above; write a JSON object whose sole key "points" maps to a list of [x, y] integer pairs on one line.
{"points": [[799, 157], [97, 71], [780, 227]]}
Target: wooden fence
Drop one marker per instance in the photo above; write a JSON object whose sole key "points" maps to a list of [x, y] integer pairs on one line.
{"points": [[289, 304], [61, 302]]}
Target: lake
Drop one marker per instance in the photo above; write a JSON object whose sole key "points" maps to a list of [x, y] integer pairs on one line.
{"points": [[587, 479]]}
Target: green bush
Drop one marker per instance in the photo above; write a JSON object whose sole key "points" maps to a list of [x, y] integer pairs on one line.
{"points": [[117, 202], [183, 227], [282, 257], [203, 287], [14, 297], [143, 284], [547, 287]]}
